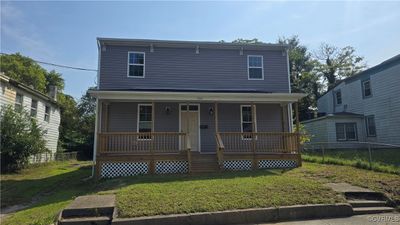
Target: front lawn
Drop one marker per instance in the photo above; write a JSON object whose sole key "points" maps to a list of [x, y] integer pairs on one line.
{"points": [[57, 184]]}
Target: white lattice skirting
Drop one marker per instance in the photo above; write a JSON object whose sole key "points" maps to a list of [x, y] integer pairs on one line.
{"points": [[119, 169], [163, 167], [277, 164], [237, 165]]}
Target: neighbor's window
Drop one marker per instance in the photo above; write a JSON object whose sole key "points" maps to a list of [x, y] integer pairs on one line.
{"points": [[19, 98], [338, 97], [47, 114], [255, 67], [346, 131], [247, 120], [34, 105], [145, 120], [136, 64], [366, 86], [370, 125]]}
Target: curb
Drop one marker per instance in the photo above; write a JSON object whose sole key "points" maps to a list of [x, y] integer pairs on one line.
{"points": [[244, 216]]}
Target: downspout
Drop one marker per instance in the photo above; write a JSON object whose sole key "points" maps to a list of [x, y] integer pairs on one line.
{"points": [[289, 106]]}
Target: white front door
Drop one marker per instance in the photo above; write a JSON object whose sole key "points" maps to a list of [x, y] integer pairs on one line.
{"points": [[190, 124]]}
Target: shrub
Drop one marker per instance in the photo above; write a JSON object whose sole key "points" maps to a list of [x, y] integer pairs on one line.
{"points": [[21, 137]]}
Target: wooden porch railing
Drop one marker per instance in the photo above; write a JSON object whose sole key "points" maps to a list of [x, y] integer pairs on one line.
{"points": [[258, 142], [142, 143]]}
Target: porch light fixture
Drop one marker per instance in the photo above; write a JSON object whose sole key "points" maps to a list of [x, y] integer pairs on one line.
{"points": [[167, 110], [211, 111]]}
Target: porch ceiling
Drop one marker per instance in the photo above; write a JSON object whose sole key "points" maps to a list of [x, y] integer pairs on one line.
{"points": [[197, 96]]}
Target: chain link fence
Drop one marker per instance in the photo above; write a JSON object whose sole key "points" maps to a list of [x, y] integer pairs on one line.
{"points": [[371, 155], [49, 157]]}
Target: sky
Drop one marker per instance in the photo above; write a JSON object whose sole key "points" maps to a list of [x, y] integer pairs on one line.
{"points": [[65, 32]]}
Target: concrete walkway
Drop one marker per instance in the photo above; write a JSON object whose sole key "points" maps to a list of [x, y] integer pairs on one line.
{"points": [[370, 219], [345, 187]]}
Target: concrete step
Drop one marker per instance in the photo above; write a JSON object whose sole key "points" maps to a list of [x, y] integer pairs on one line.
{"points": [[87, 212], [366, 203], [374, 196], [372, 210], [101, 220]]}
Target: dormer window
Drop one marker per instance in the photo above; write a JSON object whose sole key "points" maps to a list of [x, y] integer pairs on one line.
{"points": [[255, 67], [136, 64]]}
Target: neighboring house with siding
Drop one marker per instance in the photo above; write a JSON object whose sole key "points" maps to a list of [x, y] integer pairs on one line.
{"points": [[364, 108], [187, 106], [40, 106]]}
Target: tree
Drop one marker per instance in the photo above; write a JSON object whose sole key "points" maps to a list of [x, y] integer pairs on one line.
{"points": [[24, 69], [21, 137], [69, 125], [87, 116], [27, 71], [302, 77], [246, 41], [335, 63]]}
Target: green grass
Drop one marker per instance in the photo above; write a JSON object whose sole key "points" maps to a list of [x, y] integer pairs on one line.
{"points": [[177, 194], [56, 185], [383, 160]]}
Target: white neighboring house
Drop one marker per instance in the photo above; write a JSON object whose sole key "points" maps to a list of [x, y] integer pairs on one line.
{"points": [[42, 107], [364, 108]]}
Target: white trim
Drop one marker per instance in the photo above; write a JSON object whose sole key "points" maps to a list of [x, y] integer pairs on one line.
{"points": [[138, 120], [288, 70], [198, 96], [136, 64], [98, 114], [252, 119], [98, 63], [180, 121], [248, 67]]}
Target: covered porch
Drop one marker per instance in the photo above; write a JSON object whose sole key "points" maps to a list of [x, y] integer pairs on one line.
{"points": [[149, 132]]}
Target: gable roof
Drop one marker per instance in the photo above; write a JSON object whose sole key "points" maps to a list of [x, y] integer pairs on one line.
{"points": [[189, 44], [373, 70], [26, 88]]}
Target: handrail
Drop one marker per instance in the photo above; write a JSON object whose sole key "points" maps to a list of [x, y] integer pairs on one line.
{"points": [[220, 143]]}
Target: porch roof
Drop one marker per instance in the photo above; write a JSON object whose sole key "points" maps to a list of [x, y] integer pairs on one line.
{"points": [[196, 96]]}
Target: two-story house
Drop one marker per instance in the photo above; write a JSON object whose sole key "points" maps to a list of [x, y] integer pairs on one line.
{"points": [[186, 106], [361, 108], [43, 108]]}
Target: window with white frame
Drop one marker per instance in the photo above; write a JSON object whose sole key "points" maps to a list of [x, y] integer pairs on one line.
{"points": [[19, 99], [34, 105], [338, 97], [255, 67], [246, 115], [366, 86], [136, 64], [47, 113], [346, 131], [145, 120], [370, 125]]}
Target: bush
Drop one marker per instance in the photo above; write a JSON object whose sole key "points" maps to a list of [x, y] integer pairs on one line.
{"points": [[21, 137]]}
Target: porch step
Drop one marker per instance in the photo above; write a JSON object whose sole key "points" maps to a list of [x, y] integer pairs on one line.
{"points": [[371, 210], [204, 163]]}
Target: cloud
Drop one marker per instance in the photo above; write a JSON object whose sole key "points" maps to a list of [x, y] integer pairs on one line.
{"points": [[16, 29]]}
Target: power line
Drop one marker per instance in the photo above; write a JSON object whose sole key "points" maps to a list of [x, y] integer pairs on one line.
{"points": [[59, 65]]}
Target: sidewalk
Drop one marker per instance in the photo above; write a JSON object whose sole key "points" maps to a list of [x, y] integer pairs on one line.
{"points": [[370, 219]]}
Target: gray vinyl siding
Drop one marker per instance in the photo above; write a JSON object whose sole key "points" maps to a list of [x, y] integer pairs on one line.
{"points": [[384, 103], [182, 68], [122, 117], [7, 97]]}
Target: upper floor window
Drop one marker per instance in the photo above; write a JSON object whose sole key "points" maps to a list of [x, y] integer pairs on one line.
{"points": [[255, 67], [370, 125], [338, 97], [145, 120], [346, 131], [19, 99], [136, 64], [47, 113], [34, 105], [366, 88]]}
